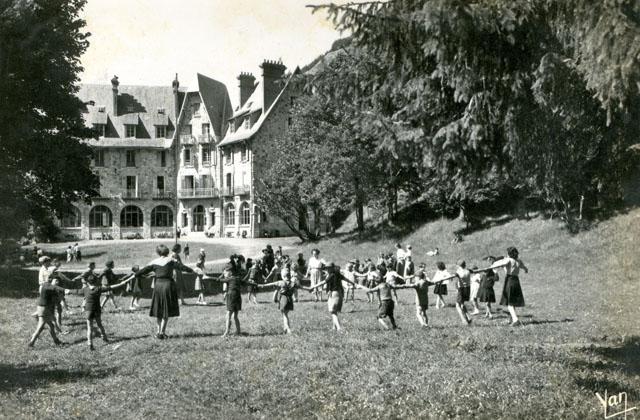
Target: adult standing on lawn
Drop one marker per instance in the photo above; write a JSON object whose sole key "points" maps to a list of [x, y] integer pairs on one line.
{"points": [[314, 271], [512, 296], [178, 274], [164, 300], [45, 271]]}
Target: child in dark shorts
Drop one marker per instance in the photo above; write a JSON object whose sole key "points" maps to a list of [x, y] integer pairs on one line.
{"points": [[93, 309], [386, 302]]}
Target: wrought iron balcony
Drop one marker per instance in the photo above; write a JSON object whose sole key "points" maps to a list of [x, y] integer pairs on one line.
{"points": [[162, 195], [131, 194], [198, 192]]}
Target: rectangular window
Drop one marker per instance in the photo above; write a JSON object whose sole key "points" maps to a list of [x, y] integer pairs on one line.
{"points": [[187, 182], [101, 109], [161, 131], [160, 183], [187, 157], [228, 157], [205, 129], [206, 154], [98, 157], [131, 158], [130, 130], [132, 187], [186, 129], [195, 109], [163, 158], [161, 110], [101, 129], [243, 153]]}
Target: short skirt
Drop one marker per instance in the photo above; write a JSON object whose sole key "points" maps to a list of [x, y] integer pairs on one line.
{"points": [[199, 285], [463, 294], [285, 304], [486, 293], [164, 300], [440, 289], [512, 292], [334, 303], [234, 301], [386, 308]]}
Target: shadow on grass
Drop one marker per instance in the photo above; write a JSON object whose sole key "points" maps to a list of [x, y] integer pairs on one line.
{"points": [[609, 367], [13, 377], [549, 321]]}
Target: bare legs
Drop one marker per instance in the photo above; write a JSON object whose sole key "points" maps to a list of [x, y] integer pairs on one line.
{"points": [[488, 313], [40, 327], [462, 311], [421, 314], [161, 323], [392, 322], [285, 322], [514, 315], [90, 331], [228, 323], [336, 322], [439, 302], [108, 297]]}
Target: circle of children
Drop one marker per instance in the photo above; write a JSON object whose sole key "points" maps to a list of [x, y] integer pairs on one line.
{"points": [[379, 280]]}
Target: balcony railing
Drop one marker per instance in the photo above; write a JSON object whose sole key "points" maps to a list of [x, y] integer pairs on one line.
{"points": [[237, 190], [162, 195], [198, 192], [187, 139], [131, 194], [205, 138], [244, 189]]}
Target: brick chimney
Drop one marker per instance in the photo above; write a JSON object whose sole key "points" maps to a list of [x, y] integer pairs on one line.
{"points": [[176, 95], [114, 87], [272, 71], [247, 86]]}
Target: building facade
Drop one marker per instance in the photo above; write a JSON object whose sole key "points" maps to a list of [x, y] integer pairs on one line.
{"points": [[169, 158]]}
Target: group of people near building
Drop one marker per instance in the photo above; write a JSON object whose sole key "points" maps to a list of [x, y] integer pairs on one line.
{"points": [[380, 280]]}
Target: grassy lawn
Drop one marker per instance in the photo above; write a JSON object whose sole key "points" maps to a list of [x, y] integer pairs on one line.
{"points": [[581, 336]]}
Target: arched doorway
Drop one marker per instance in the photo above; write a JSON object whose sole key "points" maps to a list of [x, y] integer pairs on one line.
{"points": [[198, 219]]}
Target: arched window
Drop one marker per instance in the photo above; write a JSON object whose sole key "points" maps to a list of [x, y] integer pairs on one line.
{"points": [[131, 216], [245, 214], [230, 215], [71, 219], [100, 216], [161, 216]]}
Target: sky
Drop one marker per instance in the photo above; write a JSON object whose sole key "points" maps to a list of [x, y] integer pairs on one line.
{"points": [[146, 42]]}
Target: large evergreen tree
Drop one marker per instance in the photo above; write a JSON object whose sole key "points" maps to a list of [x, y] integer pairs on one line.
{"points": [[44, 166], [540, 96]]}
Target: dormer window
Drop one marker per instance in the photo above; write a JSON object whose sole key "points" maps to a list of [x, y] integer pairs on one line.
{"points": [[101, 129], [101, 109], [161, 131], [130, 130], [195, 109], [161, 111], [246, 123], [129, 108]]}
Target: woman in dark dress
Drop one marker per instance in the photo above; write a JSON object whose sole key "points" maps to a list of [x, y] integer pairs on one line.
{"points": [[486, 293], [512, 296], [164, 300], [177, 275]]}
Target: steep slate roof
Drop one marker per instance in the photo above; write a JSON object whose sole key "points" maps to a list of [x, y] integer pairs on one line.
{"points": [[216, 102], [136, 105], [257, 98]]}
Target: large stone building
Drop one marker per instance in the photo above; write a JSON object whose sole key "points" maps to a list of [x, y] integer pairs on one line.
{"points": [[169, 158]]}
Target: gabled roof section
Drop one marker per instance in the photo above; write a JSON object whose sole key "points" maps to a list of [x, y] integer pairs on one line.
{"points": [[254, 103], [146, 105], [242, 133], [215, 98]]}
